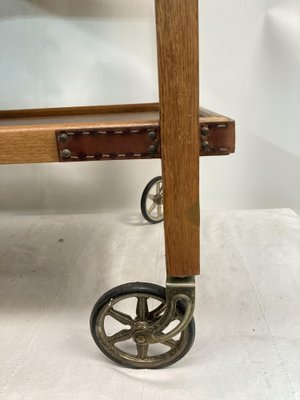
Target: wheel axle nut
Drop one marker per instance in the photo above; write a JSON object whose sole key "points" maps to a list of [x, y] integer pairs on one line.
{"points": [[140, 339]]}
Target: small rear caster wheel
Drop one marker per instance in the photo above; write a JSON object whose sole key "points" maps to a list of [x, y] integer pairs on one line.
{"points": [[130, 308], [152, 201]]}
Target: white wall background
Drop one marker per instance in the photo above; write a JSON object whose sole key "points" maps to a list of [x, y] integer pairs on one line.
{"points": [[74, 52]]}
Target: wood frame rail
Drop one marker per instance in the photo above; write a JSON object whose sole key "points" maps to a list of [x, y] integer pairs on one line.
{"points": [[29, 136]]}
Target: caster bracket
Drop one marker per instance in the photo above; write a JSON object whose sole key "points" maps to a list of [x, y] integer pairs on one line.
{"points": [[177, 289]]}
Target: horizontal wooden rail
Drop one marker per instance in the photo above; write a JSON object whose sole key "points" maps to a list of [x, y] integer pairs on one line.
{"points": [[29, 136]]}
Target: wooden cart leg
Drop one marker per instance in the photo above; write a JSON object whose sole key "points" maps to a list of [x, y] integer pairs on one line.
{"points": [[178, 59], [177, 37]]}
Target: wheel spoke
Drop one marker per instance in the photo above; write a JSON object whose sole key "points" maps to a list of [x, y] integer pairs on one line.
{"points": [[159, 211], [170, 343], [142, 310], [142, 350], [123, 318], [156, 313], [151, 208], [157, 187], [121, 336], [151, 197]]}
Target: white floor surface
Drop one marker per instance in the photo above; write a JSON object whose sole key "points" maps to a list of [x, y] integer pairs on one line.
{"points": [[53, 269]]}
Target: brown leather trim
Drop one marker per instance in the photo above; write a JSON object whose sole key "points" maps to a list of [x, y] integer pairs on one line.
{"points": [[220, 139], [119, 143], [108, 144]]}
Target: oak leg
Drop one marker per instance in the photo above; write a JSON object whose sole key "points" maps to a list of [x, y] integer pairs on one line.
{"points": [[178, 60]]}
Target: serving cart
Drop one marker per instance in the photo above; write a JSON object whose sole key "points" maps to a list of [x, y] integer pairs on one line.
{"points": [[160, 329]]}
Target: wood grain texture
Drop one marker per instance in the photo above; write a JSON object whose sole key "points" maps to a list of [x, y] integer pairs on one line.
{"points": [[64, 111], [28, 136], [178, 59], [21, 146], [105, 114]]}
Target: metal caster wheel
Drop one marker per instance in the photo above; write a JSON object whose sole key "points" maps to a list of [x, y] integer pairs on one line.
{"points": [[152, 201], [122, 317]]}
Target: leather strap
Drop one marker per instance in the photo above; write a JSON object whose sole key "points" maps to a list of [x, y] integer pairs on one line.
{"points": [[136, 142]]}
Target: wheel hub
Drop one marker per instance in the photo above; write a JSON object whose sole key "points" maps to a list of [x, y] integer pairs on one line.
{"points": [[139, 327], [159, 199], [140, 339]]}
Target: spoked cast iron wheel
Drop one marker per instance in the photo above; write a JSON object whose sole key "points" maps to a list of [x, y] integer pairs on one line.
{"points": [[129, 308], [152, 201]]}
